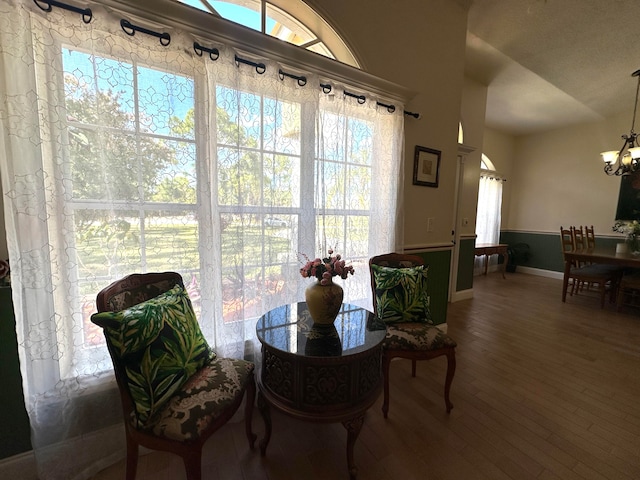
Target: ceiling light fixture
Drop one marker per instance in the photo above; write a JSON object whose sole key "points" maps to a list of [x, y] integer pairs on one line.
{"points": [[627, 160]]}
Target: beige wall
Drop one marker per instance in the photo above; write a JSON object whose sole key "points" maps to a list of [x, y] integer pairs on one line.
{"points": [[419, 44], [558, 179]]}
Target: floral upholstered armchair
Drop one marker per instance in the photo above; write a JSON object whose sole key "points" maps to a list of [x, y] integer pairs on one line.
{"points": [[175, 391], [401, 301]]}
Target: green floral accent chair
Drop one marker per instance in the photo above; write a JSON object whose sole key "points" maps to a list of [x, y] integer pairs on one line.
{"points": [[175, 391], [401, 301]]}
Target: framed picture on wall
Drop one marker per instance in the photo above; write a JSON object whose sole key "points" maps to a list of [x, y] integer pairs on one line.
{"points": [[426, 166]]}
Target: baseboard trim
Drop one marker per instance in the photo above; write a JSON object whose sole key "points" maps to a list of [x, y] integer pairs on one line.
{"points": [[21, 466], [540, 272], [462, 295]]}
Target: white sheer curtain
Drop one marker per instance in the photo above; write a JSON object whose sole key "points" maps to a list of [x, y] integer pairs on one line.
{"points": [[121, 155], [489, 212]]}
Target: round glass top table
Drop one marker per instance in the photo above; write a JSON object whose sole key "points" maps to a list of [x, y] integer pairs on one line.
{"points": [[320, 373]]}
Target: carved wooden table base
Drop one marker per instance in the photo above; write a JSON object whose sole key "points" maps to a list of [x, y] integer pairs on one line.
{"points": [[319, 374]]}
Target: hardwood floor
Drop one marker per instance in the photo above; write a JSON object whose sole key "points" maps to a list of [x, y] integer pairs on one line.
{"points": [[543, 390]]}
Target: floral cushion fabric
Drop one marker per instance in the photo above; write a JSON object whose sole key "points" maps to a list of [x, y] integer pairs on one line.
{"points": [[401, 294], [135, 295], [416, 336], [158, 345], [202, 400]]}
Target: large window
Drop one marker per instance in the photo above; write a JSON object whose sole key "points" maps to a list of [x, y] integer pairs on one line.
{"points": [[134, 157]]}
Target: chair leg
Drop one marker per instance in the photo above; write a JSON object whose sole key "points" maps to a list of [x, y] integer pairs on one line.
{"points": [[193, 464], [451, 370], [248, 411], [413, 368], [386, 362], [132, 456]]}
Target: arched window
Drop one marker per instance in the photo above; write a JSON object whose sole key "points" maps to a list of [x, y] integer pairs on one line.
{"points": [[486, 164], [277, 19]]}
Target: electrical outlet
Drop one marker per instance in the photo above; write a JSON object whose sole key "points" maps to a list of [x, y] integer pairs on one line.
{"points": [[430, 224]]}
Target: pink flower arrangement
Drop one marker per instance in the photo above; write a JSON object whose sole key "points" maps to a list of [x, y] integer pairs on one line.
{"points": [[325, 268]]}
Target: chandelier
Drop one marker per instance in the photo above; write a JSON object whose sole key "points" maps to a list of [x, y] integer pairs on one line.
{"points": [[627, 160]]}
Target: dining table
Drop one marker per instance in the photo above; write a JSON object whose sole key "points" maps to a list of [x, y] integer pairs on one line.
{"points": [[601, 255]]}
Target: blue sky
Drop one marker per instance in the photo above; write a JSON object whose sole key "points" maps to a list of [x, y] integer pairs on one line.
{"points": [[242, 15]]}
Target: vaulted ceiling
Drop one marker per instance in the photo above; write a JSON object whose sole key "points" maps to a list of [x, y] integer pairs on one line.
{"points": [[552, 63]]}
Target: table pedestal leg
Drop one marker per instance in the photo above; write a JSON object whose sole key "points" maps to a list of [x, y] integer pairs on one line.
{"points": [[263, 406], [353, 427]]}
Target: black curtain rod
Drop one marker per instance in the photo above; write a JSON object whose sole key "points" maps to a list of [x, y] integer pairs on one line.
{"points": [[214, 53], [260, 67], [87, 14], [131, 29], [302, 80]]}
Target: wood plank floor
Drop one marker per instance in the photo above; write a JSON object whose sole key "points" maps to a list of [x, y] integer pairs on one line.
{"points": [[543, 390]]}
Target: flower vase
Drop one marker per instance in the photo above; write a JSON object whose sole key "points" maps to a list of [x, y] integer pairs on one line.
{"points": [[633, 243], [324, 302]]}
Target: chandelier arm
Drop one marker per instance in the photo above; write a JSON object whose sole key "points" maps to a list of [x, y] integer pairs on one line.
{"points": [[635, 105], [620, 168]]}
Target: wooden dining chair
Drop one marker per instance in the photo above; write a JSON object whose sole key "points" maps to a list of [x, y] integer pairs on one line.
{"points": [[592, 275], [590, 243], [590, 236], [579, 241]]}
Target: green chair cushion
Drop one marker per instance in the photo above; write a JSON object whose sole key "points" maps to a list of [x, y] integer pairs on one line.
{"points": [[202, 400], [401, 294], [158, 345], [416, 336]]}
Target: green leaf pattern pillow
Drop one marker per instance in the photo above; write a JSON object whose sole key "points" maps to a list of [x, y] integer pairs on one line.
{"points": [[159, 345], [401, 294]]}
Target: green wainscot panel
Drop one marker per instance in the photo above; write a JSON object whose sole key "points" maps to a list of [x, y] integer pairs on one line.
{"points": [[439, 263], [465, 264], [545, 249], [15, 433]]}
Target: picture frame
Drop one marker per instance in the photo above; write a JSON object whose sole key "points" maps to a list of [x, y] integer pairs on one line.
{"points": [[426, 166]]}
